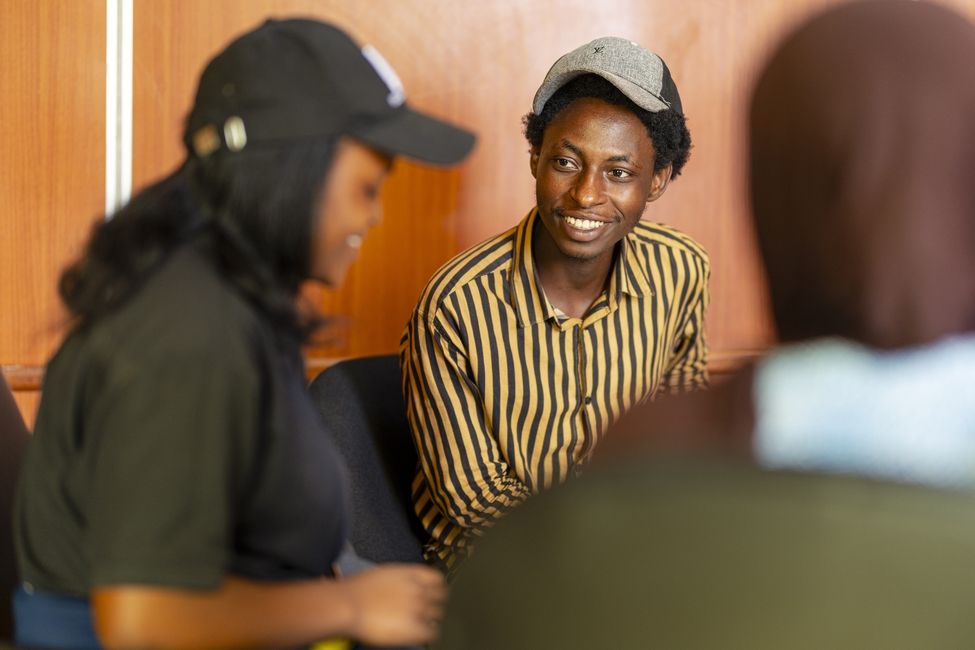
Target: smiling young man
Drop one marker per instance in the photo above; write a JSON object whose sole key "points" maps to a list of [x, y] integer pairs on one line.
{"points": [[524, 349]]}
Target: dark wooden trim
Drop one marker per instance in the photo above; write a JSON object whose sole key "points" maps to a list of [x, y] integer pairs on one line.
{"points": [[22, 377]]}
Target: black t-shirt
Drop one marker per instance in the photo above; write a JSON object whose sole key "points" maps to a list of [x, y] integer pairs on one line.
{"points": [[175, 444]]}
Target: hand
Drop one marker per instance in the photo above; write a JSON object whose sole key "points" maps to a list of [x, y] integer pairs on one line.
{"points": [[396, 604]]}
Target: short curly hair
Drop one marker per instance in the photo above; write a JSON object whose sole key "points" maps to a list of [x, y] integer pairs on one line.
{"points": [[667, 128]]}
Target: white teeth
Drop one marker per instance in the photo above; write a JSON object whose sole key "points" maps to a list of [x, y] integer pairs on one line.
{"points": [[582, 224]]}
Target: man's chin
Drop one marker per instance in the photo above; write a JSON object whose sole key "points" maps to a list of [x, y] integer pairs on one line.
{"points": [[580, 256]]}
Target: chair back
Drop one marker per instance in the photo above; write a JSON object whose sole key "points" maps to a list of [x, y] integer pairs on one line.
{"points": [[13, 442], [362, 406]]}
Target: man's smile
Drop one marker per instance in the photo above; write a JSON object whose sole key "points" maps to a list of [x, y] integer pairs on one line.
{"points": [[583, 224]]}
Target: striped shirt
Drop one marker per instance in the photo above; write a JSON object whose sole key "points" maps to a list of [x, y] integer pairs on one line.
{"points": [[505, 398]]}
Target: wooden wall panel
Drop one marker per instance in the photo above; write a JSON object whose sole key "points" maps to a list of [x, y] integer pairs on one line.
{"points": [[479, 64], [475, 63], [52, 144], [419, 231]]}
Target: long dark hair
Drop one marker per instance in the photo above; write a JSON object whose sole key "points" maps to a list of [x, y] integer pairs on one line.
{"points": [[255, 207]]}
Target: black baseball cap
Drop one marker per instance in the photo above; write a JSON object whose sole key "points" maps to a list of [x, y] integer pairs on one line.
{"points": [[300, 78]]}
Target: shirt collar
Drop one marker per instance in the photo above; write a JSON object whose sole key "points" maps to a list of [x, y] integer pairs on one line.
{"points": [[627, 277], [529, 301], [630, 273]]}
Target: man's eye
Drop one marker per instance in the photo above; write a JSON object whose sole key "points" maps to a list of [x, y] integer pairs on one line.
{"points": [[620, 173], [564, 163]]}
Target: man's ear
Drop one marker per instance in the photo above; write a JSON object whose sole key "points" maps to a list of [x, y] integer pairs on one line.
{"points": [[533, 160], [661, 179]]}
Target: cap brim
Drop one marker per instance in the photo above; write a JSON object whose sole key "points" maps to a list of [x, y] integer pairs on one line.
{"points": [[418, 136]]}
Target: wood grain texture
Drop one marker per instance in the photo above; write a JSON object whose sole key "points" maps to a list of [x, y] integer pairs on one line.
{"points": [[52, 139], [422, 206], [477, 64]]}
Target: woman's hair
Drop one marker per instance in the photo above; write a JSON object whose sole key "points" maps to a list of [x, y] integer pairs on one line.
{"points": [[667, 129], [256, 207]]}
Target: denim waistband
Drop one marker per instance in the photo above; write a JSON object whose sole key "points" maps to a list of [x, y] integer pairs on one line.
{"points": [[52, 621]]}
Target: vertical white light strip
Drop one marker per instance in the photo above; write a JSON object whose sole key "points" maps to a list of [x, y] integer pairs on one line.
{"points": [[118, 103], [125, 102], [111, 103]]}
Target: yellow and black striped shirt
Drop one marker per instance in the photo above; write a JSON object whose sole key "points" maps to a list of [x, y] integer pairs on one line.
{"points": [[505, 398]]}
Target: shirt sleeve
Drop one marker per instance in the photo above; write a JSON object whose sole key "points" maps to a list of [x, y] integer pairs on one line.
{"points": [[688, 369], [175, 429], [469, 480]]}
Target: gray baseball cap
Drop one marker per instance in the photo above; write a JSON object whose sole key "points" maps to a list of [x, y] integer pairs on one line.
{"points": [[637, 72]]}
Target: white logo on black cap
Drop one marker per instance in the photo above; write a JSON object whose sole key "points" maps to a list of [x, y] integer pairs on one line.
{"points": [[397, 94]]}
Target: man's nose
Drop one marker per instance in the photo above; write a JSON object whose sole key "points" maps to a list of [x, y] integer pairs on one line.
{"points": [[588, 189]]}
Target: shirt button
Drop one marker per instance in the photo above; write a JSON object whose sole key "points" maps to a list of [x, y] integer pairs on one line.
{"points": [[588, 400]]}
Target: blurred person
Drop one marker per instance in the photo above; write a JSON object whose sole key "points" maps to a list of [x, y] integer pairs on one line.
{"points": [[179, 490], [13, 442], [524, 349], [813, 500], [865, 215]]}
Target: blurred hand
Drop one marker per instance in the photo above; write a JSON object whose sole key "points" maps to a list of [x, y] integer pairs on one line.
{"points": [[396, 604]]}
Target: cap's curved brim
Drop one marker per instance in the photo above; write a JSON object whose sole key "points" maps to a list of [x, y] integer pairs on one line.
{"points": [[417, 136]]}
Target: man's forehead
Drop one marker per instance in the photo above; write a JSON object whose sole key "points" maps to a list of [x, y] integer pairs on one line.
{"points": [[596, 126]]}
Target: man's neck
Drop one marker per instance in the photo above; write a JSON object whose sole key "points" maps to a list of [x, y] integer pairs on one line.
{"points": [[572, 285]]}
